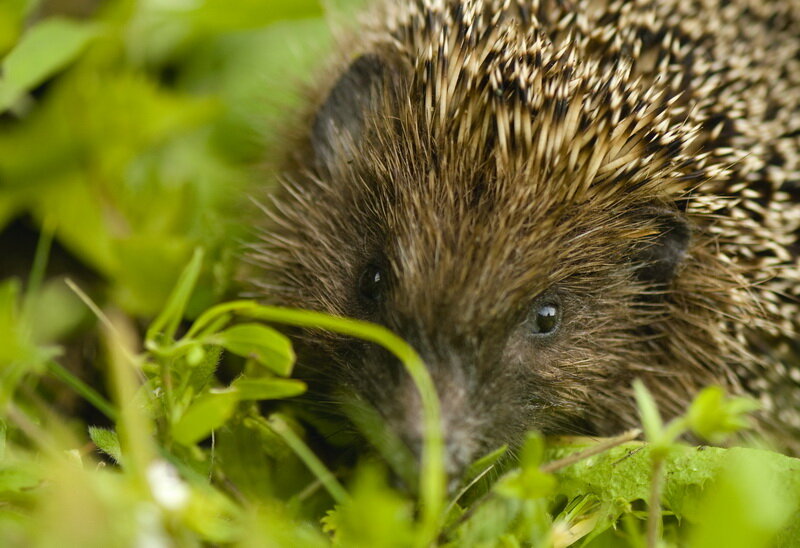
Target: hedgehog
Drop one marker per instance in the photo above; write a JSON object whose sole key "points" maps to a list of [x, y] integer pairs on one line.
{"points": [[548, 199]]}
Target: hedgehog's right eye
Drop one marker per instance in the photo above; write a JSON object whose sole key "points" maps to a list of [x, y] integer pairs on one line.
{"points": [[545, 319], [372, 284]]}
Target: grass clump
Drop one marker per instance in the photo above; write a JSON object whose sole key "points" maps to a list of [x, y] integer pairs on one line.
{"points": [[141, 405]]}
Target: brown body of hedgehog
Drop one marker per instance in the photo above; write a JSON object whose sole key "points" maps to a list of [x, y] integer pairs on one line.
{"points": [[548, 199]]}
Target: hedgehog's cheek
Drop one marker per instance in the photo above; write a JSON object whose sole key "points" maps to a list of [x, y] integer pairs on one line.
{"points": [[656, 260]]}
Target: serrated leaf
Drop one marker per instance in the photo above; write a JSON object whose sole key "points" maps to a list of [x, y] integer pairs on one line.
{"points": [[107, 441], [621, 475], [260, 343], [267, 389], [45, 49], [206, 414]]}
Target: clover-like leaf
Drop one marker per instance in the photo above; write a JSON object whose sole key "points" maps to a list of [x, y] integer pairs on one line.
{"points": [[260, 343]]}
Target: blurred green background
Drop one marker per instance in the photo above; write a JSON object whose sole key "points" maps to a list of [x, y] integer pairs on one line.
{"points": [[134, 131]]}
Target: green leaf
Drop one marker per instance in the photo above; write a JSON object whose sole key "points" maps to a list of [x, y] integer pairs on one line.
{"points": [[196, 356], [12, 18], [526, 483], [260, 343], [148, 268], [532, 453], [216, 15], [747, 506], [621, 476], [107, 441], [3, 436], [167, 322], [206, 414], [479, 466], [714, 417], [374, 515], [17, 478], [648, 411], [267, 388], [45, 49]]}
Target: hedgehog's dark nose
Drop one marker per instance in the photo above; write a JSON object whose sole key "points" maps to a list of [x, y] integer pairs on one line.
{"points": [[458, 436], [456, 457]]}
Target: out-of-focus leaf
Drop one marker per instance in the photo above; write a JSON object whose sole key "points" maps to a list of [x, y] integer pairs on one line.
{"points": [[167, 322], [57, 312], [19, 355], [479, 466], [746, 507], [282, 55], [526, 483], [532, 450], [217, 15], [148, 268], [3, 438], [267, 388], [714, 417], [206, 414], [276, 525], [80, 224], [260, 343], [9, 316], [45, 49], [648, 411], [107, 441], [14, 478], [12, 17], [258, 462], [390, 517]]}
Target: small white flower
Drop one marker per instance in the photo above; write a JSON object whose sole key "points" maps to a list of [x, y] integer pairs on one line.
{"points": [[166, 485], [151, 532]]}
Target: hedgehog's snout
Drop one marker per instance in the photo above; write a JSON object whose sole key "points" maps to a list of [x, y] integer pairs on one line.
{"points": [[461, 424]]}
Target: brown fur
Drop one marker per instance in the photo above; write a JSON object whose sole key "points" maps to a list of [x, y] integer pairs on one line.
{"points": [[490, 152]]}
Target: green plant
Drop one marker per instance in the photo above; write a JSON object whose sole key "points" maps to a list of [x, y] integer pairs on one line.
{"points": [[126, 143]]}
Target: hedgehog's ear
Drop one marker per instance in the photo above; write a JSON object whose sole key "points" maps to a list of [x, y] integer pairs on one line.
{"points": [[339, 123], [659, 257]]}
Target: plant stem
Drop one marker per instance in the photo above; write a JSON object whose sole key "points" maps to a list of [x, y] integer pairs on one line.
{"points": [[282, 429], [86, 392], [654, 505], [38, 271], [551, 467], [601, 447], [432, 480]]}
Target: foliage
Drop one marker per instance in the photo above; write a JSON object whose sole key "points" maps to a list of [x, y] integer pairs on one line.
{"points": [[127, 141]]}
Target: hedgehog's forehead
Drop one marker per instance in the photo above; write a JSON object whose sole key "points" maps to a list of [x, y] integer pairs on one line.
{"points": [[478, 239], [486, 84]]}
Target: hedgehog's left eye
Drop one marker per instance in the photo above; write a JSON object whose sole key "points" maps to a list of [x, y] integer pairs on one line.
{"points": [[545, 318], [372, 284]]}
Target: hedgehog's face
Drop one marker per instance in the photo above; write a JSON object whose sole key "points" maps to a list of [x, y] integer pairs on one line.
{"points": [[531, 312], [522, 327]]}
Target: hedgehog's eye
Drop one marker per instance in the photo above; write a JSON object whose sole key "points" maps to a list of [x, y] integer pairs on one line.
{"points": [[372, 283], [545, 318]]}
